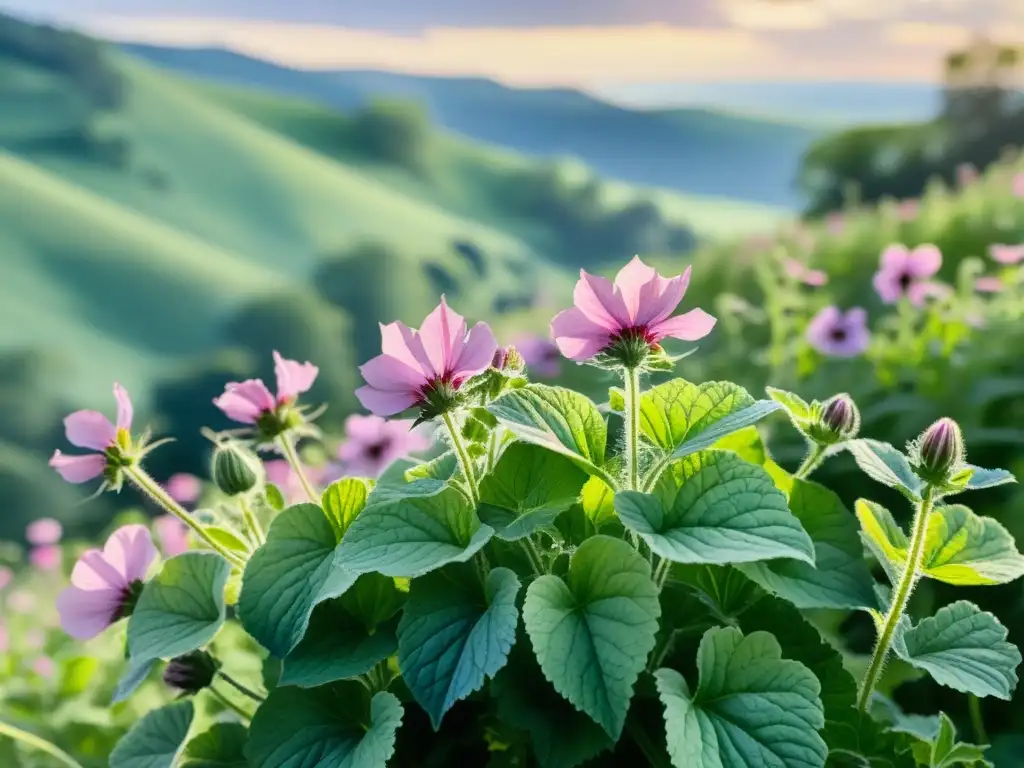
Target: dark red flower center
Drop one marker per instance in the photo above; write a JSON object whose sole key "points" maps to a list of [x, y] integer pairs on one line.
{"points": [[376, 451], [905, 281], [838, 334]]}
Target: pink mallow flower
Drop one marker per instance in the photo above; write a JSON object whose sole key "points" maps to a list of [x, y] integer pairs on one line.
{"points": [[373, 443], [43, 531], [6, 576], [835, 223], [184, 488], [5, 639], [93, 430], [907, 210], [1017, 185], [44, 666], [45, 558], [104, 582], [249, 401], [837, 334], [800, 272], [425, 366], [989, 285], [638, 305], [172, 535], [1006, 254], [907, 273], [280, 473], [541, 355]]}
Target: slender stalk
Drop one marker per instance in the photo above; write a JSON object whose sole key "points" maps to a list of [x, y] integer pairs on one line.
{"points": [[661, 573], [908, 579], [977, 720], [288, 449], [631, 378], [252, 522], [813, 460], [35, 742], [239, 687], [465, 463], [229, 704], [655, 473], [536, 563], [150, 487]]}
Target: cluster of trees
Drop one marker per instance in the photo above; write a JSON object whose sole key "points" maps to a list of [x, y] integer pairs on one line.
{"points": [[982, 116]]}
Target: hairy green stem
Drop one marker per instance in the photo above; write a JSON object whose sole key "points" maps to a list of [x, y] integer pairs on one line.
{"points": [[288, 449], [631, 378], [151, 488], [252, 522], [536, 563], [465, 463], [661, 573], [230, 704], [977, 720], [908, 579], [240, 688], [814, 459], [38, 743]]}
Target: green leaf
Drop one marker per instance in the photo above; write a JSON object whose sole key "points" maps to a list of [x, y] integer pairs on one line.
{"points": [[944, 751], [336, 646], [455, 634], [682, 418], [839, 577], [561, 735], [555, 418], [134, 676], [222, 746], [180, 609], [592, 635], [373, 600], [527, 490], [296, 569], [598, 501], [988, 478], [960, 547], [885, 464], [227, 539], [963, 648], [745, 443], [274, 497], [333, 726], [798, 408], [751, 707], [343, 501], [715, 508], [414, 536], [965, 549], [442, 468], [154, 741]]}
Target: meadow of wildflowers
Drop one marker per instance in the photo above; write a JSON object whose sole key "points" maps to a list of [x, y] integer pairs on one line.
{"points": [[487, 569]]}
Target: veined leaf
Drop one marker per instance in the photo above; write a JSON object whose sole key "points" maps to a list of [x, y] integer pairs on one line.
{"points": [[222, 746], [155, 740], [885, 464]]}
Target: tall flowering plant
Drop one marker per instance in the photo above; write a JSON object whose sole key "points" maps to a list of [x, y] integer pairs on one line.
{"points": [[541, 594]]}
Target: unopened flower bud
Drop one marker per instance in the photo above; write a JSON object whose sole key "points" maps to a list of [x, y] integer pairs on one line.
{"points": [[235, 469], [192, 672], [837, 420], [941, 448], [508, 359]]}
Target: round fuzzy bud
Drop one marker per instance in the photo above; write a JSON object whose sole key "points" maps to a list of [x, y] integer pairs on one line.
{"points": [[941, 448], [235, 470], [841, 416], [192, 672]]}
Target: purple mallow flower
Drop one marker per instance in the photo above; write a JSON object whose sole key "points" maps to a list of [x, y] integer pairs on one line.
{"points": [[248, 401], [838, 334], [541, 355], [184, 488], [1006, 254], [172, 535], [103, 582], [93, 430], [800, 272], [907, 273], [989, 284], [43, 531], [47, 557], [373, 443]]}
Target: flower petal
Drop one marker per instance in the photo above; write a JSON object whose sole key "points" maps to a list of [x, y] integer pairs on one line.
{"points": [[443, 334], [922, 290], [89, 429], [130, 550], [925, 261], [293, 377], [173, 535], [93, 573], [404, 344], [690, 326], [895, 257], [388, 373], [596, 298], [245, 402], [477, 353], [887, 285], [660, 297], [43, 531], [124, 407], [384, 402], [86, 613], [578, 337], [78, 469], [632, 282], [364, 429]]}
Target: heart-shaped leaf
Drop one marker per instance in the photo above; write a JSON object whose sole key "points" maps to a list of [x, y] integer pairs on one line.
{"points": [[715, 508], [839, 577], [413, 536], [343, 501], [333, 726], [155, 740], [454, 634], [592, 634], [963, 648], [885, 464], [751, 706], [527, 490], [677, 412], [180, 609], [222, 746], [295, 570]]}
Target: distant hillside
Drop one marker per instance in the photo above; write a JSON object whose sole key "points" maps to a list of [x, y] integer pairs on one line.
{"points": [[699, 151]]}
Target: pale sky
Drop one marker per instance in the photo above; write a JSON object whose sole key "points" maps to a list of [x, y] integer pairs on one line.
{"points": [[566, 42]]}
